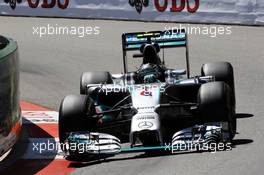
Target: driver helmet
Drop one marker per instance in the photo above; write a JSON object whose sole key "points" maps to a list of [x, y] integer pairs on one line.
{"points": [[150, 53], [148, 73]]}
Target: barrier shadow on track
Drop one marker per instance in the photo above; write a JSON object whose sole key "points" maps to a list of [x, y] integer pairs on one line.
{"points": [[113, 159], [16, 153], [15, 162], [235, 143]]}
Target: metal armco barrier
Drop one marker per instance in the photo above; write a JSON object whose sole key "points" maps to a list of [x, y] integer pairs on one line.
{"points": [[10, 113]]}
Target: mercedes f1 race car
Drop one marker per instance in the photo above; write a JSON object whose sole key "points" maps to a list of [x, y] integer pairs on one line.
{"points": [[151, 108]]}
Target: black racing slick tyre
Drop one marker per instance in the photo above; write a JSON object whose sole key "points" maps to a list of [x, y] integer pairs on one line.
{"points": [[73, 115], [215, 105], [222, 71], [94, 78]]}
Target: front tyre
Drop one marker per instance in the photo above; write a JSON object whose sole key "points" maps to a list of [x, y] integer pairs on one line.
{"points": [[73, 115], [215, 105]]}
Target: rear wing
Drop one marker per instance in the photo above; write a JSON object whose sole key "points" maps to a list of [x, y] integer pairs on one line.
{"points": [[165, 39]]}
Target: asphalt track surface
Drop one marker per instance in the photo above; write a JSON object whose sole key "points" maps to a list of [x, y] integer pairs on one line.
{"points": [[51, 67]]}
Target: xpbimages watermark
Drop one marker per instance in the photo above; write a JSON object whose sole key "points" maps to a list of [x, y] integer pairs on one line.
{"points": [[190, 146], [54, 146], [145, 89], [51, 30], [212, 31]]}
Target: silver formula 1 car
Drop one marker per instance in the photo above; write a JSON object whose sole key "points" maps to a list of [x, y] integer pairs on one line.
{"points": [[152, 108]]}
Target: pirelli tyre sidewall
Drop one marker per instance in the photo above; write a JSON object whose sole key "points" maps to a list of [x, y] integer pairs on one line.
{"points": [[73, 115], [94, 78], [215, 105]]}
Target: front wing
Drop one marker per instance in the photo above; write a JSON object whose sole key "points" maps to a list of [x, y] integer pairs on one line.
{"points": [[196, 138]]}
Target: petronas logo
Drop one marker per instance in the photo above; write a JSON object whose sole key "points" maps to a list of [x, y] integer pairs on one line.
{"points": [[12, 3]]}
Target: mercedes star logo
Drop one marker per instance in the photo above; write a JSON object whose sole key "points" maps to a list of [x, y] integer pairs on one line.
{"points": [[145, 125]]}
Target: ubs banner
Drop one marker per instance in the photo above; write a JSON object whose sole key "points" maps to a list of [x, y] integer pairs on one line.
{"points": [[199, 11]]}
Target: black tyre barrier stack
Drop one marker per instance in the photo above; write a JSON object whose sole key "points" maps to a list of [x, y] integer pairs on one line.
{"points": [[10, 113]]}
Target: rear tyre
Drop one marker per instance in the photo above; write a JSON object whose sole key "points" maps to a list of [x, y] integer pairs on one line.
{"points": [[73, 115], [215, 105], [94, 78]]}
